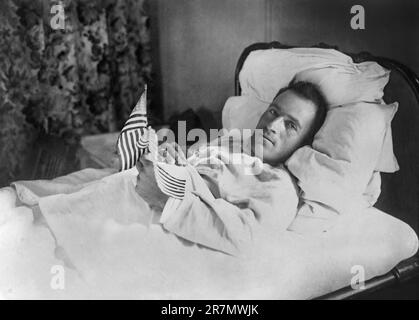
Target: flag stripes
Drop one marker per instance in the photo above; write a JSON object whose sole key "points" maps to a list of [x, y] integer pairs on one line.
{"points": [[135, 138], [170, 185], [132, 141]]}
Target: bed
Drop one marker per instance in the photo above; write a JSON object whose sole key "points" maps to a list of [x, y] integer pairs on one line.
{"points": [[401, 201], [100, 260]]}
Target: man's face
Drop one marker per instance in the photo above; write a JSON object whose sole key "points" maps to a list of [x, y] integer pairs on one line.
{"points": [[286, 125]]}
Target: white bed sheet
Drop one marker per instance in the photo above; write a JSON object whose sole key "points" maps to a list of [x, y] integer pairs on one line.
{"points": [[117, 253]]}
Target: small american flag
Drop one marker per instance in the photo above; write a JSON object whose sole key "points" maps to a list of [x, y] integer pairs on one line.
{"points": [[133, 139]]}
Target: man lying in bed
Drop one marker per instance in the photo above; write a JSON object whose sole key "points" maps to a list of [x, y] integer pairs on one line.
{"points": [[242, 205]]}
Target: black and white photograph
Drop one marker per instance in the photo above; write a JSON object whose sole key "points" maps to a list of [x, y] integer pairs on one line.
{"points": [[227, 151]]}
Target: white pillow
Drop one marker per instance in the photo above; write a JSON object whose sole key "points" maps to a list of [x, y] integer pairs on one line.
{"points": [[388, 161], [266, 71], [338, 168], [242, 112], [347, 83]]}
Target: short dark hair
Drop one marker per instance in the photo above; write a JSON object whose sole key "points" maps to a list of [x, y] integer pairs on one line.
{"points": [[312, 92]]}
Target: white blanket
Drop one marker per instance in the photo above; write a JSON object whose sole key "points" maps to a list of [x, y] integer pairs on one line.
{"points": [[116, 251]]}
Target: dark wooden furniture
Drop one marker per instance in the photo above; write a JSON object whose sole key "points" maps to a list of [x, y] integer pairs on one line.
{"points": [[399, 191]]}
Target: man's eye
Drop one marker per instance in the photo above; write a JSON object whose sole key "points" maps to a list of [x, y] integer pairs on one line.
{"points": [[273, 112], [291, 125]]}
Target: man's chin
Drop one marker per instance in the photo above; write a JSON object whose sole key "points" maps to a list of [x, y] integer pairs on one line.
{"points": [[269, 158]]}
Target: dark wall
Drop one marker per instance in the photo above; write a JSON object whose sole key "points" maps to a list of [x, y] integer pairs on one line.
{"points": [[391, 27], [199, 41]]}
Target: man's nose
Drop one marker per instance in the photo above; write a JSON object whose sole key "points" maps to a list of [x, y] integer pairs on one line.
{"points": [[277, 125]]}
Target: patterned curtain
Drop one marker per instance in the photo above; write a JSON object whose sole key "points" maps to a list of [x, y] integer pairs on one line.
{"points": [[83, 79]]}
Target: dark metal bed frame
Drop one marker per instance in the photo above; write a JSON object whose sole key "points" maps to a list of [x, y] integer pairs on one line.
{"points": [[406, 270]]}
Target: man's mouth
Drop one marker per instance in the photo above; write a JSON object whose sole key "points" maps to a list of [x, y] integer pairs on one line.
{"points": [[268, 139]]}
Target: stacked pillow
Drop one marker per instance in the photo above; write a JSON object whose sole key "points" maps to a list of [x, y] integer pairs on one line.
{"points": [[341, 168], [338, 167]]}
